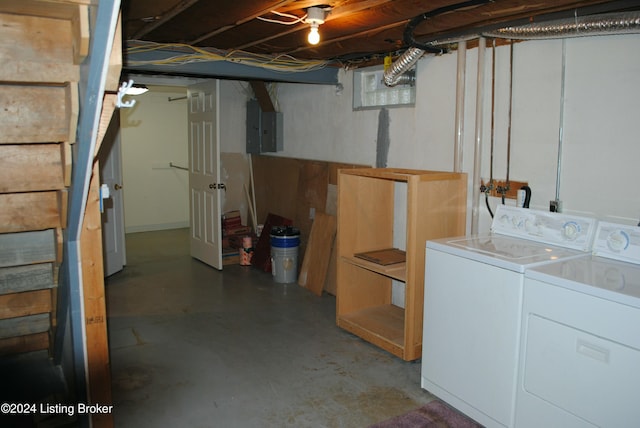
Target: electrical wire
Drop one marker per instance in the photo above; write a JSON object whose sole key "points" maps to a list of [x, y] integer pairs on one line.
{"points": [[193, 54], [296, 20]]}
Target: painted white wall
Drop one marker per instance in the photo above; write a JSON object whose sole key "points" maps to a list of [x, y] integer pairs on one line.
{"points": [[599, 154], [600, 150], [154, 133]]}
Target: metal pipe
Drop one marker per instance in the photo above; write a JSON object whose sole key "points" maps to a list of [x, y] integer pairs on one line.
{"points": [[508, 184], [493, 111], [477, 158], [561, 127], [460, 98]]}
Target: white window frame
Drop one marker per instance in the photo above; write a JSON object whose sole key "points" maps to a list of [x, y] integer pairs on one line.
{"points": [[370, 92]]}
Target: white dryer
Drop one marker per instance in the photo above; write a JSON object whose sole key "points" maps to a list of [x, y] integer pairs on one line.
{"points": [[473, 303], [580, 357]]}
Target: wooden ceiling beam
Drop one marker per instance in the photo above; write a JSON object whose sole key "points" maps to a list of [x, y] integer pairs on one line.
{"points": [[336, 13], [164, 18], [240, 22], [350, 36]]}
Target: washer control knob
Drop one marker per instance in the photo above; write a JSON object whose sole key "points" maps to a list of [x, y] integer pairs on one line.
{"points": [[617, 241], [570, 230], [530, 226]]}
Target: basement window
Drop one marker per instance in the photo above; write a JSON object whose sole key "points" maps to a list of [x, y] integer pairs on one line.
{"points": [[370, 92]]}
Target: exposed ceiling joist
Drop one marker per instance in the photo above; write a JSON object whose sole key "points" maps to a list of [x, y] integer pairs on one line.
{"points": [[355, 32], [237, 23], [158, 20]]}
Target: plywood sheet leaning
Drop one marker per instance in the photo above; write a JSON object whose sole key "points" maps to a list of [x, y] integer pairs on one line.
{"points": [[294, 188], [318, 253], [330, 281]]}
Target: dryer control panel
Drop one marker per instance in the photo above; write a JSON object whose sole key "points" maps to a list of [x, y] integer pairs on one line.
{"points": [[559, 229], [617, 241]]}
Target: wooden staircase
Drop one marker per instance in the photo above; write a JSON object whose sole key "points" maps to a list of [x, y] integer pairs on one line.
{"points": [[42, 46]]}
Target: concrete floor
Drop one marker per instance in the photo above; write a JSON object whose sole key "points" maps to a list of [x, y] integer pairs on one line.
{"points": [[195, 347]]}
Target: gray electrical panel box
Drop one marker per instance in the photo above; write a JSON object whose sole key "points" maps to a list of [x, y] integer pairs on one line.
{"points": [[264, 129]]}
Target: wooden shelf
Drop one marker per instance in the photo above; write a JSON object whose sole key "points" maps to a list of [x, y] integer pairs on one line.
{"points": [[396, 271], [381, 325], [367, 221]]}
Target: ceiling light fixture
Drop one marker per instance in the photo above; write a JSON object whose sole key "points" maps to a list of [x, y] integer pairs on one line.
{"points": [[315, 18]]}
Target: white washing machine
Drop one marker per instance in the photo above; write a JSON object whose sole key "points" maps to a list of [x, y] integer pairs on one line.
{"points": [[580, 353], [473, 303]]}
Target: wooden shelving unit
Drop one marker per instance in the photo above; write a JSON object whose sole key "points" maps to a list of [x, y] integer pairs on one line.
{"points": [[435, 208]]}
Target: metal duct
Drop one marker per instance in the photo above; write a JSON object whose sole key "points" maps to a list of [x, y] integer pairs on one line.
{"points": [[393, 75], [580, 26], [592, 25]]}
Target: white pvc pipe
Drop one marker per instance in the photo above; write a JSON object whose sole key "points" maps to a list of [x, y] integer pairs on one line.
{"points": [[477, 157], [460, 88]]}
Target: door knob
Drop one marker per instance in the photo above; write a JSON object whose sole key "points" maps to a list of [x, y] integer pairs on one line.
{"points": [[117, 187]]}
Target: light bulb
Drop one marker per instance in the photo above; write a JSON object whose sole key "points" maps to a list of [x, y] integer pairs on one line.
{"points": [[314, 35]]}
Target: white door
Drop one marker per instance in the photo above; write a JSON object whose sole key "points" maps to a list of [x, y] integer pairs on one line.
{"points": [[204, 172], [110, 158]]}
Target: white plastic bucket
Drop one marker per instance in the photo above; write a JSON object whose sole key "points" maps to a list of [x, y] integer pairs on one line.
{"points": [[284, 254]]}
